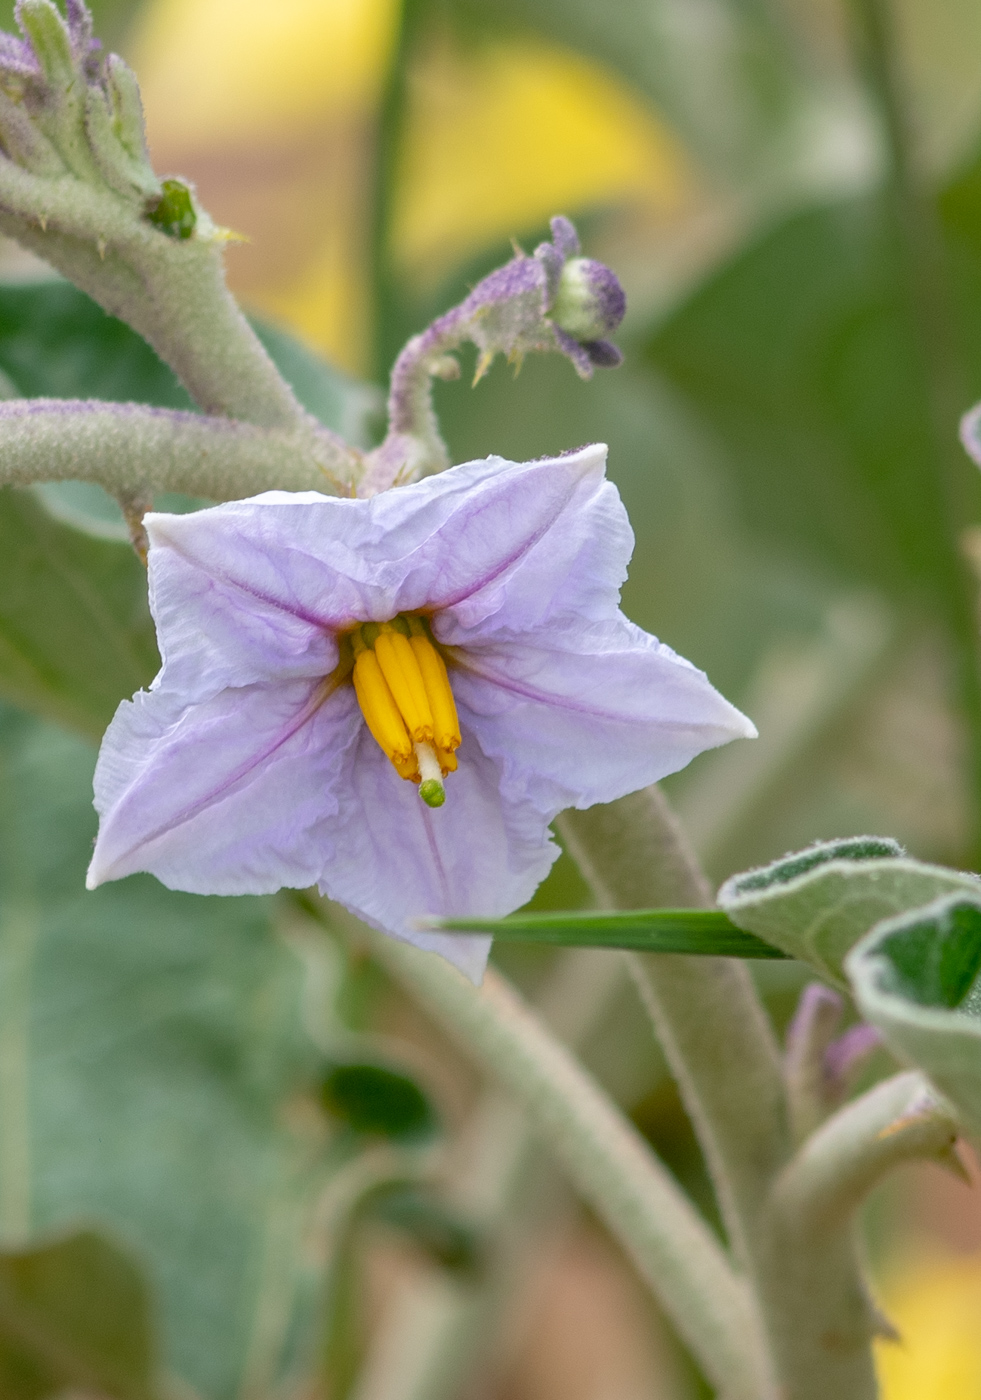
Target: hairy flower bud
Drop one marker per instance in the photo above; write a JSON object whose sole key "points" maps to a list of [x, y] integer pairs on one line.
{"points": [[589, 302]]}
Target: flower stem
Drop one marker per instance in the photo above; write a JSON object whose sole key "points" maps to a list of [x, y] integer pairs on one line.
{"points": [[607, 1161]]}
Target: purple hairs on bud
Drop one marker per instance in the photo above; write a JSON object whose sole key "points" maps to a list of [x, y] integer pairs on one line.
{"points": [[17, 56], [815, 1020], [564, 237], [608, 296]]}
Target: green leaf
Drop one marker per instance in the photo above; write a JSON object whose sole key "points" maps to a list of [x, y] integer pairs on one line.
{"points": [[915, 976], [75, 629], [802, 354], [74, 1316], [440, 1231], [705, 931], [375, 1099], [817, 904], [150, 1055]]}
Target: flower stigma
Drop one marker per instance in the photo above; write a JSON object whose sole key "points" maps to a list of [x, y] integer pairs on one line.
{"points": [[404, 693]]}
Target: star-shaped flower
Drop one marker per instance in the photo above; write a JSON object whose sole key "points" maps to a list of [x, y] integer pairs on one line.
{"points": [[334, 669]]}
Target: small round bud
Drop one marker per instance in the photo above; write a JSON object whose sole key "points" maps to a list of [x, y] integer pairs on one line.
{"points": [[589, 302]]}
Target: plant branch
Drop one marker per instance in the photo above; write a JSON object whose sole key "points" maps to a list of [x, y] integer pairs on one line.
{"points": [[171, 291], [607, 1161], [706, 1012], [825, 1321], [133, 450], [899, 1120], [437, 1330]]}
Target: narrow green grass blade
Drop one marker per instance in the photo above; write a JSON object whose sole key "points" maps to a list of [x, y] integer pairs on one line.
{"points": [[705, 931]]}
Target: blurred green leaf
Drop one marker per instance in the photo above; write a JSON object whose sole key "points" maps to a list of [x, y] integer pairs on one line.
{"points": [[150, 1045], [74, 1316], [700, 931], [435, 1227], [818, 904], [75, 630], [375, 1099], [915, 977], [805, 355]]}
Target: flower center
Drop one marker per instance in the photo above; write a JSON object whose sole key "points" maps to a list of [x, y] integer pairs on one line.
{"points": [[404, 692]]}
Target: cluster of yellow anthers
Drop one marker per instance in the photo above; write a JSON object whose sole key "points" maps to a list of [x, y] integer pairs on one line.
{"points": [[404, 692]]}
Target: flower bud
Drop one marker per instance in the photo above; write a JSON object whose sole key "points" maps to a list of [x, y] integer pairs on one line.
{"points": [[589, 301]]}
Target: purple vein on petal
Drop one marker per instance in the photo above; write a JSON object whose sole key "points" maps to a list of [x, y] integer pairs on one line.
{"points": [[324, 689], [293, 610], [499, 568], [561, 702]]}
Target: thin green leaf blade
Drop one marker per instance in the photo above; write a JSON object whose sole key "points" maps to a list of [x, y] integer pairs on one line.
{"points": [[707, 932]]}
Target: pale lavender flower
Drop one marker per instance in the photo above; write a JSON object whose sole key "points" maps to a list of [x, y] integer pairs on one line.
{"points": [[248, 766]]}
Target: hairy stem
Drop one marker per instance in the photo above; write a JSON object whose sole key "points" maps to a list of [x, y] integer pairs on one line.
{"points": [[822, 1329], [706, 1012], [133, 450], [437, 1331], [606, 1159], [171, 291]]}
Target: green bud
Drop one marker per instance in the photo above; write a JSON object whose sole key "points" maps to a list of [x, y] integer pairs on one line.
{"points": [[129, 123], [173, 212]]}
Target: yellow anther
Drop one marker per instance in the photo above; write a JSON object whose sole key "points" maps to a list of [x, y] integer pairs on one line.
{"points": [[447, 760], [446, 724], [379, 709], [404, 692], [401, 670]]}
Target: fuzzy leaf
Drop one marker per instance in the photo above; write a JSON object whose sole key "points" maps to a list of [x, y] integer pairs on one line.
{"points": [[915, 977], [817, 904]]}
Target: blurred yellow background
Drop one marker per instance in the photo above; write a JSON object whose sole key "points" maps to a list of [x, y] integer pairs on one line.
{"points": [[272, 111]]}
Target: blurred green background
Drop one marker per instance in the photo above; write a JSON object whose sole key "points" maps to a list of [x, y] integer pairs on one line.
{"points": [[790, 191]]}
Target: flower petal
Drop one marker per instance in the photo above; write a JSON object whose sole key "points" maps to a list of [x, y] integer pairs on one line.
{"points": [[589, 714], [395, 859], [248, 590], [230, 796], [214, 630]]}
